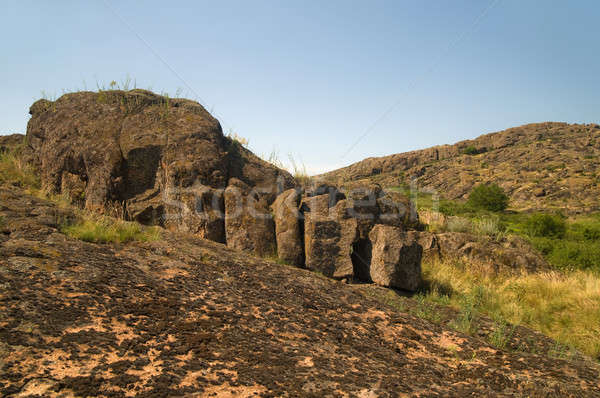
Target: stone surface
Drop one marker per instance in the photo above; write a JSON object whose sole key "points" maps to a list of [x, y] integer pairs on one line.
{"points": [[249, 224], [541, 166], [396, 258], [508, 254], [329, 235], [187, 317], [10, 141], [160, 159], [289, 227]]}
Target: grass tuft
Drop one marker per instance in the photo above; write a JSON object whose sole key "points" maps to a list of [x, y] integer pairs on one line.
{"points": [[14, 170], [100, 229]]}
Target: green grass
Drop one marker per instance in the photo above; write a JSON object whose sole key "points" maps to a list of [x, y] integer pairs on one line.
{"points": [[563, 306], [577, 248], [14, 170], [99, 229]]}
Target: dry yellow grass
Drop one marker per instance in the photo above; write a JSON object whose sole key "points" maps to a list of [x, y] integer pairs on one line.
{"points": [[564, 306]]}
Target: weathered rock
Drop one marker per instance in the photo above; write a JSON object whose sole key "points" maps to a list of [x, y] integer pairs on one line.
{"points": [[289, 227], [508, 254], [11, 141], [249, 224], [396, 257], [335, 195], [429, 243], [329, 235], [538, 165], [162, 160], [371, 205], [84, 320]]}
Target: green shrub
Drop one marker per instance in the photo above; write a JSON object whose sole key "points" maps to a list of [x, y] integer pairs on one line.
{"points": [[591, 233], [546, 226], [488, 197], [470, 150], [569, 255]]}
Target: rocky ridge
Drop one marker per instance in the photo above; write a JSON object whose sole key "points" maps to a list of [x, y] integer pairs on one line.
{"points": [[541, 166]]}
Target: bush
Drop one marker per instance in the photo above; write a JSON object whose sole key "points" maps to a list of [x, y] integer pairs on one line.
{"points": [[470, 150], [545, 226], [488, 197], [591, 233]]}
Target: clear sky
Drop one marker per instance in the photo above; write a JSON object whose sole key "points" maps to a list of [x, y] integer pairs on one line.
{"points": [[312, 77]]}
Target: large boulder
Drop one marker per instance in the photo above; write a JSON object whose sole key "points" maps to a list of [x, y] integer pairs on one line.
{"points": [[163, 161], [288, 227], [509, 254], [395, 257], [329, 235], [249, 224], [371, 205]]}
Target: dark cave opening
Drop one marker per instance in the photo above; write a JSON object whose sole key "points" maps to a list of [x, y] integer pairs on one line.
{"points": [[361, 260]]}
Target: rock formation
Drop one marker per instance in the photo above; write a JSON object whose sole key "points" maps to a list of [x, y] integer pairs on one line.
{"points": [[395, 258], [289, 228], [162, 161], [329, 233], [187, 317], [538, 165], [11, 141]]}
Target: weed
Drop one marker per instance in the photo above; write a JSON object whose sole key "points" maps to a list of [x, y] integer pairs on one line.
{"points": [[489, 226], [501, 335], [426, 310], [299, 171], [101, 229], [14, 170], [459, 224], [238, 139], [466, 317]]}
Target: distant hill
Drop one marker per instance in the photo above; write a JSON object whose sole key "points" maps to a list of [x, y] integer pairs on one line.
{"points": [[541, 166]]}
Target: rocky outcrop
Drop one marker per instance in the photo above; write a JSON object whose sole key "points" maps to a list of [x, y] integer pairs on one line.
{"points": [[329, 234], [289, 228], [249, 224], [159, 160], [11, 141], [164, 161], [395, 258], [338, 235], [187, 317], [539, 165], [510, 254]]}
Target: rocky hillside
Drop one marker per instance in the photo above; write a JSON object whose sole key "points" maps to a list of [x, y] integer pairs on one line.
{"points": [[541, 166], [184, 316]]}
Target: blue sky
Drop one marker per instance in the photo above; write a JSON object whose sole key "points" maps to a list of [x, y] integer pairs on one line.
{"points": [[310, 78]]}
